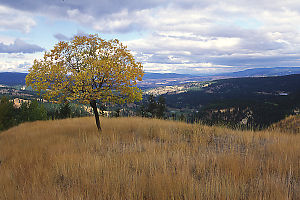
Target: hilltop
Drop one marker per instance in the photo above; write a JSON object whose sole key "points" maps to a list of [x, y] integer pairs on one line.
{"points": [[137, 158]]}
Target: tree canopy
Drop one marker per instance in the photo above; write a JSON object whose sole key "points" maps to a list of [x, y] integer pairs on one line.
{"points": [[87, 69]]}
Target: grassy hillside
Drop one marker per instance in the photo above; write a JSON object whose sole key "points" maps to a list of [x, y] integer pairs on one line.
{"points": [[290, 124], [137, 158]]}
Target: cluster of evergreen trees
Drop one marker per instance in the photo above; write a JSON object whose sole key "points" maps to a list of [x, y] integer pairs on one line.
{"points": [[153, 108], [32, 111], [64, 110], [10, 115]]}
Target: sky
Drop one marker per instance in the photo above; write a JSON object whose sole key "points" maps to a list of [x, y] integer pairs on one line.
{"points": [[167, 36]]}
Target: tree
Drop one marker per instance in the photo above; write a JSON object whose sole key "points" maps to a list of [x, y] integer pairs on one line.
{"points": [[152, 105], [24, 112], [161, 106], [32, 111], [7, 111], [37, 111], [65, 110], [87, 69]]}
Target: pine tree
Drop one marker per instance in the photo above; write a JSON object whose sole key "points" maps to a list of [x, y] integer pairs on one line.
{"points": [[161, 107], [152, 106], [7, 113], [65, 110]]}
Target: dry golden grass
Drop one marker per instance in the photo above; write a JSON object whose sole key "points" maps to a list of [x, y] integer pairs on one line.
{"points": [[137, 158], [290, 124]]}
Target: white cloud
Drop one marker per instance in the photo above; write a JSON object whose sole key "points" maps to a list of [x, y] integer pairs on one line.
{"points": [[17, 62], [83, 18], [195, 35], [19, 46], [6, 39], [223, 34], [15, 19]]}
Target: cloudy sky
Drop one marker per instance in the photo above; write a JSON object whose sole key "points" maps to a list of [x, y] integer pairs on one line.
{"points": [[181, 36]]}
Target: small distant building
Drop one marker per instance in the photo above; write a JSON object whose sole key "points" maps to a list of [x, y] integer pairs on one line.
{"points": [[18, 102], [283, 94]]}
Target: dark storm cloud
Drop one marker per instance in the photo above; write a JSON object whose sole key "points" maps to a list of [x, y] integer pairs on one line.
{"points": [[19, 46]]}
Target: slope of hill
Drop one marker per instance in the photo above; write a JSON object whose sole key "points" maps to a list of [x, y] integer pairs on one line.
{"points": [[237, 89], [290, 124], [137, 158], [274, 85], [254, 102]]}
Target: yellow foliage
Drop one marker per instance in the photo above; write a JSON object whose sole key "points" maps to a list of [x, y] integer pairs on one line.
{"points": [[87, 68]]}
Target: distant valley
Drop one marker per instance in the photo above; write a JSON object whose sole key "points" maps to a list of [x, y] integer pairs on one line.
{"points": [[249, 101], [152, 80], [254, 101]]}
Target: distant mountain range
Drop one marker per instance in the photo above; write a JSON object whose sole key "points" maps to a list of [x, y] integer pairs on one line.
{"points": [[12, 78], [164, 79], [149, 75], [152, 80], [275, 71]]}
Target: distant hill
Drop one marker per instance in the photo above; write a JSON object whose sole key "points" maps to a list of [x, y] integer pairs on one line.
{"points": [[149, 75], [149, 79], [251, 88], [12, 78], [252, 101], [275, 71], [152, 80], [276, 85]]}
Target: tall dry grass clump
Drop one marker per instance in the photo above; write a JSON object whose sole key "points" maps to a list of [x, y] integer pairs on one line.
{"points": [[137, 158]]}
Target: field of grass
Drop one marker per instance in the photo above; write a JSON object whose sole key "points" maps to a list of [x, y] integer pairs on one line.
{"points": [[137, 158]]}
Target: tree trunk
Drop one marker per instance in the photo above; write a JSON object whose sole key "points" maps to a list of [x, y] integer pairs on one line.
{"points": [[94, 106]]}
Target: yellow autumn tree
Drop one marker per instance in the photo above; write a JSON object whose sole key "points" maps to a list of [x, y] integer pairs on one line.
{"points": [[87, 69]]}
